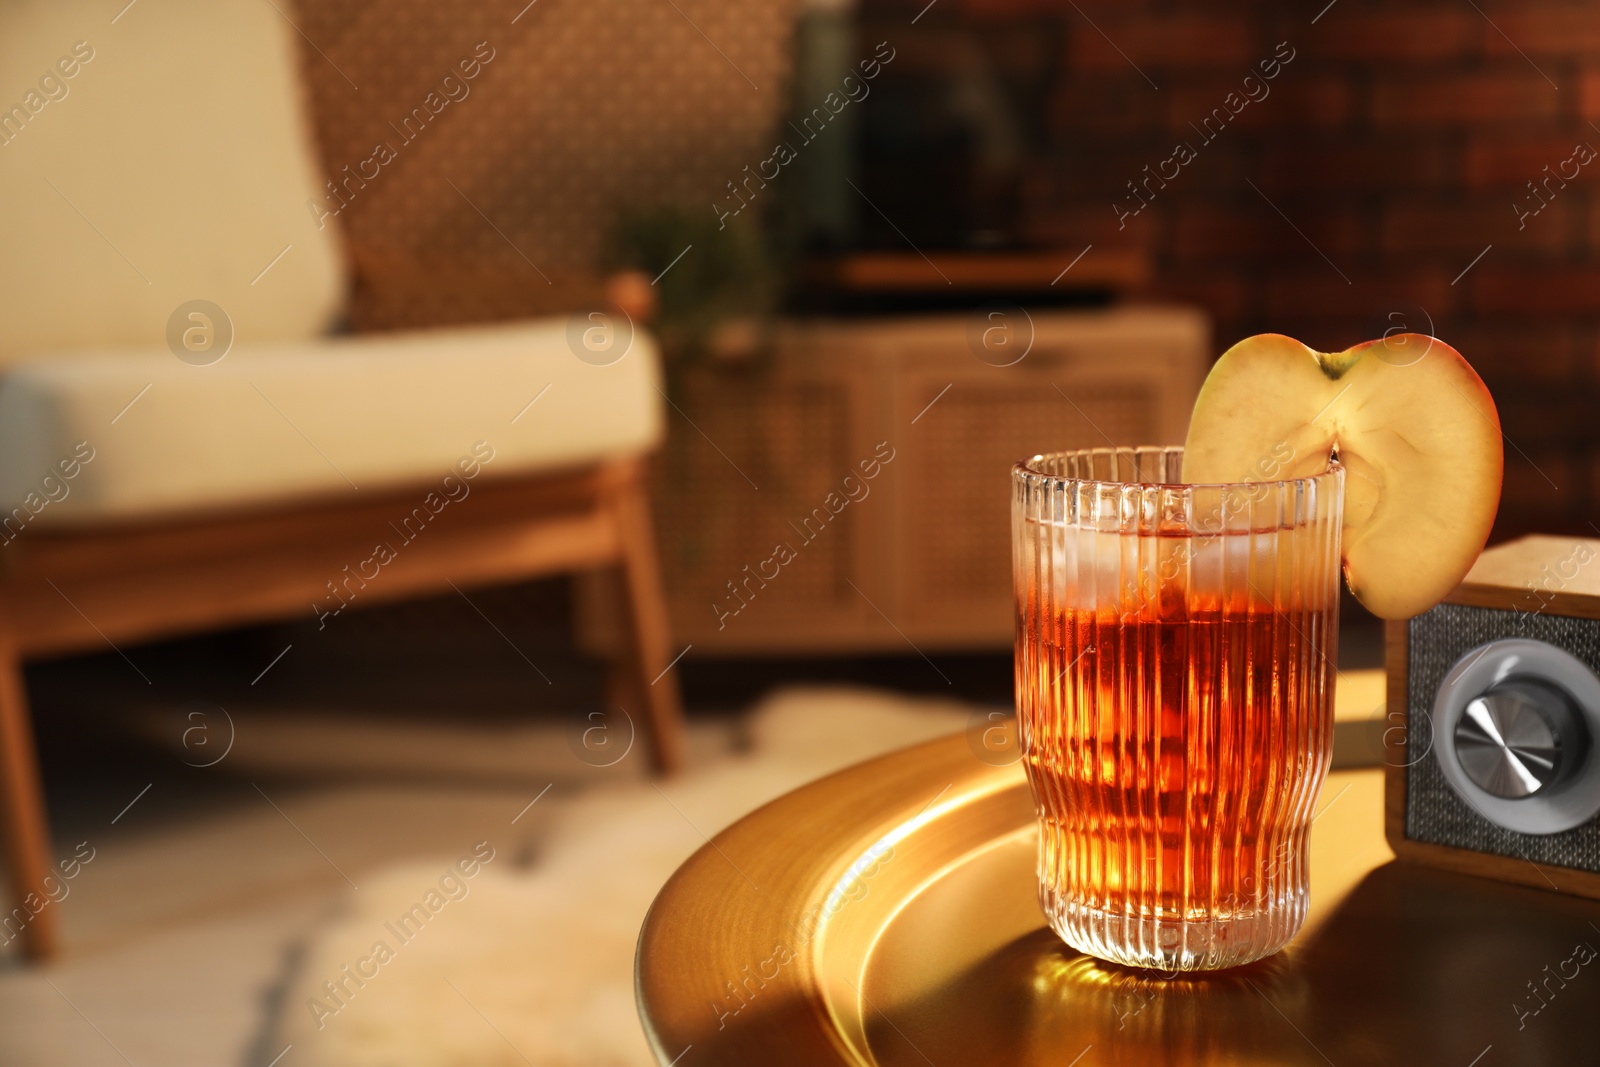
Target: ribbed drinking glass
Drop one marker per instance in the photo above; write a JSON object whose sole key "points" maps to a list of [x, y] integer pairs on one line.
{"points": [[1175, 672]]}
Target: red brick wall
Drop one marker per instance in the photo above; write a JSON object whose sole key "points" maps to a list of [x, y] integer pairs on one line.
{"points": [[1396, 141]]}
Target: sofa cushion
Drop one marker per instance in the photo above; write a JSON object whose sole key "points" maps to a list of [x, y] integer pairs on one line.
{"points": [[136, 434], [150, 156]]}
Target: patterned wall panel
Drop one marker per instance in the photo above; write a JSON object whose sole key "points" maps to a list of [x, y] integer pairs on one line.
{"points": [[494, 194]]}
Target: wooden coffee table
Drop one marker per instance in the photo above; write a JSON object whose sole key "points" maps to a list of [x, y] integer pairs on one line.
{"points": [[886, 915]]}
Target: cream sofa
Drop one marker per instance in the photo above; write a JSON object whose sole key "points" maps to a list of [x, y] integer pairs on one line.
{"points": [[167, 465]]}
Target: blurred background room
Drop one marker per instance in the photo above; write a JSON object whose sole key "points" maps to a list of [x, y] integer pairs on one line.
{"points": [[423, 422]]}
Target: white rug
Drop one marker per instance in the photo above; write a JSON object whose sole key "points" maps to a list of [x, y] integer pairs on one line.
{"points": [[499, 966]]}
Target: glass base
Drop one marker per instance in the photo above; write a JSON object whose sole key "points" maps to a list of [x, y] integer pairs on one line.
{"points": [[1176, 945]]}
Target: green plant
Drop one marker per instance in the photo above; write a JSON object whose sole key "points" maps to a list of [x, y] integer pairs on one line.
{"points": [[706, 276]]}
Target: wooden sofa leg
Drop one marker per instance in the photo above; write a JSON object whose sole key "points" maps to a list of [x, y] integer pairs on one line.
{"points": [[647, 641], [23, 829]]}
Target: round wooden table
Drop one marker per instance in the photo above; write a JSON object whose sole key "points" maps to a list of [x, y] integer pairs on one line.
{"points": [[886, 915]]}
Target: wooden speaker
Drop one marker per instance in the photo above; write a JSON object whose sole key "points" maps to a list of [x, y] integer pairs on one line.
{"points": [[1492, 749]]}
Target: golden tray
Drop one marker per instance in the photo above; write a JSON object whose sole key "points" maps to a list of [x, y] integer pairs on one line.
{"points": [[886, 915]]}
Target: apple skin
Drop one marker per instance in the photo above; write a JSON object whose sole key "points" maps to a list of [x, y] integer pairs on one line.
{"points": [[1411, 422]]}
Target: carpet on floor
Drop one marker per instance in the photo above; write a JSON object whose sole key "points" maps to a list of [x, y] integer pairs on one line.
{"points": [[469, 960]]}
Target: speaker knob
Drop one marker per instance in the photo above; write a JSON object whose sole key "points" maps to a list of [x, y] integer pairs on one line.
{"points": [[1515, 725], [1519, 737]]}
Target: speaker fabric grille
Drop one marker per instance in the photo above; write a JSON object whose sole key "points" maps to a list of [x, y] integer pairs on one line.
{"points": [[1435, 814]]}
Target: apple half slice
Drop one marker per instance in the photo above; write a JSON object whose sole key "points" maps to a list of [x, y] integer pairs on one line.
{"points": [[1411, 422]]}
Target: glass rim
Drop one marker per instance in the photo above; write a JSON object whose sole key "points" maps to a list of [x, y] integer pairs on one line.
{"points": [[1029, 468]]}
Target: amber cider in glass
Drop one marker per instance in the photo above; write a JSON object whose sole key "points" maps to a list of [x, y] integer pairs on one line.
{"points": [[1175, 676]]}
